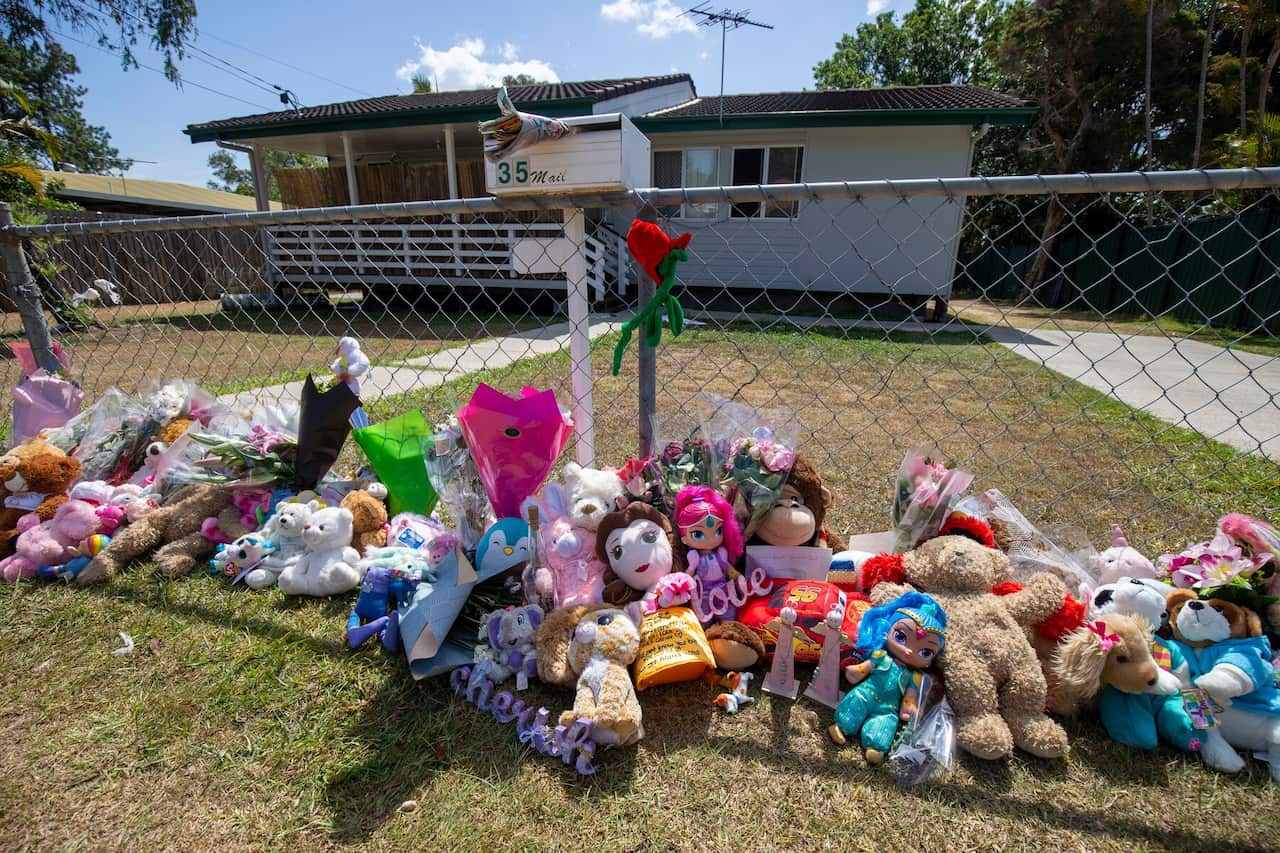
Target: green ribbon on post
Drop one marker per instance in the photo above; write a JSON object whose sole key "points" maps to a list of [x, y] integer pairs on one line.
{"points": [[649, 318]]}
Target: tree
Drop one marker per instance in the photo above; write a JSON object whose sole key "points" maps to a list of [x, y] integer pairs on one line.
{"points": [[167, 25], [45, 73], [521, 80], [421, 83], [230, 176], [939, 41], [15, 132], [1083, 61], [1201, 91]]}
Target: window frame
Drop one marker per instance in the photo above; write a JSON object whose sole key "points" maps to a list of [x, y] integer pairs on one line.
{"points": [[684, 163], [764, 176]]}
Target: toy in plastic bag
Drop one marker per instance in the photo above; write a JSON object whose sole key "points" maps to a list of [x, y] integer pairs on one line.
{"points": [[754, 451], [453, 473], [515, 130], [927, 748], [42, 401], [396, 450], [514, 441], [925, 492]]}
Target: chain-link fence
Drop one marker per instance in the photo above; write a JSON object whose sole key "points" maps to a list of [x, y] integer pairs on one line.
{"points": [[1100, 348]]}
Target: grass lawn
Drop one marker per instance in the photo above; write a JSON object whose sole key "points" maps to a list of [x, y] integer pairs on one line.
{"points": [[250, 724]]}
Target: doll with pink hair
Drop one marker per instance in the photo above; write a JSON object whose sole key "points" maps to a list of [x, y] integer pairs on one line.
{"points": [[712, 540]]}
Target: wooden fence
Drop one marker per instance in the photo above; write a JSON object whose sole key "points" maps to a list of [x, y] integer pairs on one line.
{"points": [[378, 183]]}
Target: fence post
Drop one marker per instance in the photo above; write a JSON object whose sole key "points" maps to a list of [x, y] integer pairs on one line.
{"points": [[648, 368], [578, 302], [25, 294]]}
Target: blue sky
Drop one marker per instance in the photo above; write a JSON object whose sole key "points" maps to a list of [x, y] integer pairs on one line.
{"points": [[374, 46]]}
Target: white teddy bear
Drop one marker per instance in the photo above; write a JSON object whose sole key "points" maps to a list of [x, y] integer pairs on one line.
{"points": [[284, 529], [590, 494], [329, 564]]}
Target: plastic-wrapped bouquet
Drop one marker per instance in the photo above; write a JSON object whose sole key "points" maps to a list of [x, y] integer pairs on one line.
{"points": [[692, 462], [453, 473], [756, 470], [263, 457], [926, 491]]}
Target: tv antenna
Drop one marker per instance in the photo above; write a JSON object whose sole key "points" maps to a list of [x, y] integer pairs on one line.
{"points": [[728, 20]]}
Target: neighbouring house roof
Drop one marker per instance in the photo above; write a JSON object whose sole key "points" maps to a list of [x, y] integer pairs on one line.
{"points": [[88, 189], [432, 108], [949, 104]]}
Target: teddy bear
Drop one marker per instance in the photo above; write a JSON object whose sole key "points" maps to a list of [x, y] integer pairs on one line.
{"points": [[369, 516], [50, 543], [1226, 656], [1120, 560], [36, 477], [590, 494], [172, 532], [1117, 661], [572, 572], [328, 565], [284, 529], [993, 679], [595, 644]]}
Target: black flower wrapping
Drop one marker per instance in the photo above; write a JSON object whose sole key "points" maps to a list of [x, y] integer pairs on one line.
{"points": [[324, 421]]}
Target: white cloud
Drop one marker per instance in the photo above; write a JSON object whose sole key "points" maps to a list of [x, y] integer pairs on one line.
{"points": [[463, 66], [875, 7], [654, 18]]}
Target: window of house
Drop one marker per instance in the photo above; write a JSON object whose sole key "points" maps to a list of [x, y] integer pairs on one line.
{"points": [[773, 165], [692, 167]]}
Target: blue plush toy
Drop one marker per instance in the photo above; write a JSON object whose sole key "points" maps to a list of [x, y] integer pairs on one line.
{"points": [[504, 546], [901, 639]]}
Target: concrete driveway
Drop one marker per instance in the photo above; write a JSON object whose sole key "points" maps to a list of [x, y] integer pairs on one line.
{"points": [[1224, 394]]}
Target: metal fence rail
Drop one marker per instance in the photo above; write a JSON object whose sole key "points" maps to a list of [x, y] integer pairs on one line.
{"points": [[1102, 348]]}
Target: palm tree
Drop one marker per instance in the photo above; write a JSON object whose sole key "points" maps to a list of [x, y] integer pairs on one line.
{"points": [[1269, 20], [1204, 79], [421, 83], [12, 161], [1258, 149]]}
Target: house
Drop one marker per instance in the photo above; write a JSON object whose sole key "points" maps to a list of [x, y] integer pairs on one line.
{"points": [[411, 147], [120, 196]]}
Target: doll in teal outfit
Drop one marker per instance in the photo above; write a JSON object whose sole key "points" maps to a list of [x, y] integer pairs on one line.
{"points": [[901, 640]]}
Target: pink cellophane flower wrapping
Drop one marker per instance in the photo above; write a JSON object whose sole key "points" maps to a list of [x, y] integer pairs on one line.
{"points": [[515, 442], [42, 401]]}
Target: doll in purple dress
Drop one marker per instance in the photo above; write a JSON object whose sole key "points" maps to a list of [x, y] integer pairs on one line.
{"points": [[712, 542]]}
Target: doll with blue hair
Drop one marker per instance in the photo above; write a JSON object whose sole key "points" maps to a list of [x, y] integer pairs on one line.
{"points": [[901, 639]]}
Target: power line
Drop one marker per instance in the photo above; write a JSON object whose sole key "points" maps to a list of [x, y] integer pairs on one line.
{"points": [[185, 81], [242, 74], [208, 34]]}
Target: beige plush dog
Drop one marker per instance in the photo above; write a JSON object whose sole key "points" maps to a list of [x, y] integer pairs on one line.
{"points": [[1114, 651]]}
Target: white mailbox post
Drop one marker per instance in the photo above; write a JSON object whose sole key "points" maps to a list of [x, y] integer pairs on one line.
{"points": [[605, 153]]}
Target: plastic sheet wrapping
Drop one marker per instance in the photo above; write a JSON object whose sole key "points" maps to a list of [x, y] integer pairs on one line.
{"points": [[927, 748], [453, 472], [754, 450], [925, 493], [1031, 550], [42, 401]]}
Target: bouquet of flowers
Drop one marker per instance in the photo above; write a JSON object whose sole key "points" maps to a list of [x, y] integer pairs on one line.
{"points": [[453, 473], [1218, 562], [925, 492], [692, 462], [756, 470], [641, 481], [263, 457]]}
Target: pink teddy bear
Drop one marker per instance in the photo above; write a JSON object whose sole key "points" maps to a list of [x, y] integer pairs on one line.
{"points": [[572, 574], [51, 543]]}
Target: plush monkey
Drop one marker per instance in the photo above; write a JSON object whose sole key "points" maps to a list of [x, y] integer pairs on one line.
{"points": [[797, 516]]}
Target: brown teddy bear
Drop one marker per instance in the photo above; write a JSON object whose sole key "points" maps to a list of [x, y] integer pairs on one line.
{"points": [[36, 477], [369, 515], [172, 531], [993, 679]]}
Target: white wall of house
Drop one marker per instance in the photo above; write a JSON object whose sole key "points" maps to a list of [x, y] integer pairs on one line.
{"points": [[874, 246], [647, 100]]}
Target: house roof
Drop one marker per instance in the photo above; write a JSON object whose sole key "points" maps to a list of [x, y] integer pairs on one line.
{"points": [[81, 187], [432, 108], [944, 104]]}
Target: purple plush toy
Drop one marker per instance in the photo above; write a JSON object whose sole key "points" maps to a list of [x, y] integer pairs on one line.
{"points": [[511, 650]]}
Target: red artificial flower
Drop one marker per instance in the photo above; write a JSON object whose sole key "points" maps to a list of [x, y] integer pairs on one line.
{"points": [[649, 245]]}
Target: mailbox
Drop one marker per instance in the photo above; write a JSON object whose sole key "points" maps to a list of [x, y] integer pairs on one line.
{"points": [[605, 153]]}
